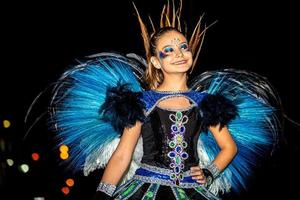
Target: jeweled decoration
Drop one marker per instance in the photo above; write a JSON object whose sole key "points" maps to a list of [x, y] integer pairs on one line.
{"points": [[177, 143]]}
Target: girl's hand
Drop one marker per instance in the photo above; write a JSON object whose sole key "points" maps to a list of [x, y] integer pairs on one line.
{"points": [[197, 174]]}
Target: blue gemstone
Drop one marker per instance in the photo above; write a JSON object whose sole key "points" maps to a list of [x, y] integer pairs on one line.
{"points": [[178, 149], [171, 154], [184, 155], [177, 170], [182, 129], [174, 128]]}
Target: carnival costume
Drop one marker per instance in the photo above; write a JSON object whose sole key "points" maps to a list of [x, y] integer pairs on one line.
{"points": [[96, 100]]}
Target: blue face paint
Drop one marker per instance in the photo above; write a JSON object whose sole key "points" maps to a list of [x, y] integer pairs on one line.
{"points": [[162, 55], [185, 47], [167, 51]]}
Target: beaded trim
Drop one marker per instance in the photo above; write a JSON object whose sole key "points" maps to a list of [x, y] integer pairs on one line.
{"points": [[177, 143], [121, 187], [170, 96], [172, 92], [214, 170], [161, 170], [151, 192], [161, 176], [152, 174], [179, 193], [107, 188], [130, 190]]}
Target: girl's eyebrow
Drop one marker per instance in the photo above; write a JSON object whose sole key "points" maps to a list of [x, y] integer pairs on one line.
{"points": [[174, 45]]}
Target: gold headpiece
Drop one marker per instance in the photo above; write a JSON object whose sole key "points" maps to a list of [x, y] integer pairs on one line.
{"points": [[170, 17]]}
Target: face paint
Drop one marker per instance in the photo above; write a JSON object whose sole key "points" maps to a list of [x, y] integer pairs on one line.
{"points": [[162, 55], [175, 41], [170, 50], [184, 47]]}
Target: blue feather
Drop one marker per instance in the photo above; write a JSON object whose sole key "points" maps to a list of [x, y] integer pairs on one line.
{"points": [[77, 105], [255, 129], [122, 107]]}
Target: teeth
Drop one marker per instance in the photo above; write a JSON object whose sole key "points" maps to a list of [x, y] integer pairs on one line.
{"points": [[180, 62]]}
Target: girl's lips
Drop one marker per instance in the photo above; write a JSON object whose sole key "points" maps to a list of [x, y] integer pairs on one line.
{"points": [[180, 62]]}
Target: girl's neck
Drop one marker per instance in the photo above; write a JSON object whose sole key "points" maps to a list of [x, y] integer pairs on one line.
{"points": [[174, 83]]}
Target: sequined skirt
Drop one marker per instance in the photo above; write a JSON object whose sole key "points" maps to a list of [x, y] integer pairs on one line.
{"points": [[150, 182]]}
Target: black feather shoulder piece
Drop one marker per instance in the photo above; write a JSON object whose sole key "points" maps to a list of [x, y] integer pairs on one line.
{"points": [[217, 109], [122, 107]]}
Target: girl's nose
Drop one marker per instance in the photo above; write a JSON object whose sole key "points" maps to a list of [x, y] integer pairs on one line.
{"points": [[179, 53]]}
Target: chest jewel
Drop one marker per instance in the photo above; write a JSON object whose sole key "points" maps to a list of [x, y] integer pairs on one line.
{"points": [[177, 145]]}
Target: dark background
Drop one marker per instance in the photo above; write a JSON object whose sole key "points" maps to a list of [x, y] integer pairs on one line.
{"points": [[39, 41]]}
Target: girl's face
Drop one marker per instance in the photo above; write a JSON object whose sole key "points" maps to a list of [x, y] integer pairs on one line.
{"points": [[172, 53]]}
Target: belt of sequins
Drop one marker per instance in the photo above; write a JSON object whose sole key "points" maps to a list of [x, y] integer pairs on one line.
{"points": [[162, 176]]}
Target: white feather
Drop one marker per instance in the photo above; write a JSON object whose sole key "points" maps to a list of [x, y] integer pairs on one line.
{"points": [[100, 158]]}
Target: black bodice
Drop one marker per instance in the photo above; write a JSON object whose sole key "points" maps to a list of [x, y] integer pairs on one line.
{"points": [[170, 138]]}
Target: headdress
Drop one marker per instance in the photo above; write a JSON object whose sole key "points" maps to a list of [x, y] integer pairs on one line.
{"points": [[171, 17]]}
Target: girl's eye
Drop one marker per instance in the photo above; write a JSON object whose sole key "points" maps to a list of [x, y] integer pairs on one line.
{"points": [[184, 46], [168, 50]]}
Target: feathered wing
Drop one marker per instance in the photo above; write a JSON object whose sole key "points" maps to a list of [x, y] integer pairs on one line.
{"points": [[91, 105], [255, 128]]}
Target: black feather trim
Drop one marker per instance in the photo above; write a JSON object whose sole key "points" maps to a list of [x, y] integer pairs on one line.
{"points": [[217, 109], [122, 107]]}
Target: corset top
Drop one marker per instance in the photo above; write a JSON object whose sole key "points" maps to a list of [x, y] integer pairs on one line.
{"points": [[170, 138]]}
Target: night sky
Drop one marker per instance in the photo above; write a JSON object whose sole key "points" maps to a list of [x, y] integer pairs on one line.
{"points": [[40, 41]]}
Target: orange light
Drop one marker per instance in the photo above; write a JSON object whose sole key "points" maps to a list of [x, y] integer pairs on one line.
{"points": [[35, 156], [64, 155], [65, 190], [63, 148], [70, 182]]}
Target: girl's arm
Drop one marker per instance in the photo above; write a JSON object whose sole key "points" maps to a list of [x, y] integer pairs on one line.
{"points": [[225, 156], [121, 158], [227, 145]]}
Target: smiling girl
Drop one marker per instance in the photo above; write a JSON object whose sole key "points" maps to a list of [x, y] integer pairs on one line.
{"points": [[158, 135]]}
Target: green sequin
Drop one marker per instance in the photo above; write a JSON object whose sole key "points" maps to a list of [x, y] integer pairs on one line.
{"points": [[178, 160], [178, 115], [130, 189], [172, 144], [180, 193], [150, 194]]}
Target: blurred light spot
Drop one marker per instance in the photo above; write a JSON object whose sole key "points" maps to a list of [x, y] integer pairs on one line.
{"points": [[38, 198], [6, 124], [2, 144], [65, 190], [63, 148], [10, 162], [70, 182], [64, 155], [35, 156], [24, 168]]}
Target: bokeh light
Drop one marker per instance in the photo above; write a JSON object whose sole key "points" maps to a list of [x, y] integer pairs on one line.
{"points": [[70, 182], [35, 156], [65, 190], [2, 144], [24, 168], [63, 148], [10, 162], [64, 155], [6, 123]]}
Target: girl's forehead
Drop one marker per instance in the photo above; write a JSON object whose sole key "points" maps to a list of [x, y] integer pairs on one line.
{"points": [[170, 38]]}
